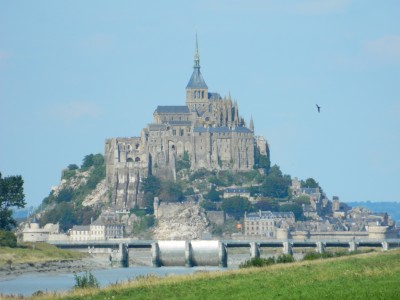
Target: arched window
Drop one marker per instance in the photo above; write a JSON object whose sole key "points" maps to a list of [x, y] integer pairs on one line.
{"points": [[137, 159]]}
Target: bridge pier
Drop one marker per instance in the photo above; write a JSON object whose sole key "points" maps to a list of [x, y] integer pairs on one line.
{"points": [[188, 255], [385, 246], [254, 250], [155, 255], [222, 255], [287, 248], [320, 247], [352, 246], [121, 255]]}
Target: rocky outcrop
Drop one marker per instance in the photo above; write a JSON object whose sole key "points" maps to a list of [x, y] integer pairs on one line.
{"points": [[180, 221], [98, 195]]}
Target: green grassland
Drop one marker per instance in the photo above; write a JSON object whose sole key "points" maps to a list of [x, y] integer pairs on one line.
{"points": [[35, 253], [363, 276]]}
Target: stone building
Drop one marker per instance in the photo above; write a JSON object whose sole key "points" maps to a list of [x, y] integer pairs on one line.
{"points": [[236, 192], [266, 223], [208, 128], [97, 231], [32, 232]]}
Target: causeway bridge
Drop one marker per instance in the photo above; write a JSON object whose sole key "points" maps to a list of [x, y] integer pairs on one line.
{"points": [[210, 252]]}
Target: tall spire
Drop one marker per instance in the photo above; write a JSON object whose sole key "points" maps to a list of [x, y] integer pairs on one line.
{"points": [[196, 81], [196, 55], [251, 123]]}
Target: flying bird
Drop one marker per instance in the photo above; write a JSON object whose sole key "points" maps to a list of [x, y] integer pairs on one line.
{"points": [[318, 107]]}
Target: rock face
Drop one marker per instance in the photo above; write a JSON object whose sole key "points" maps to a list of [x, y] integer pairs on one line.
{"points": [[98, 195], [180, 221]]}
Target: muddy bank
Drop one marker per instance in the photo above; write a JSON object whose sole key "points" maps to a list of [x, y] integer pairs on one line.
{"points": [[57, 266]]}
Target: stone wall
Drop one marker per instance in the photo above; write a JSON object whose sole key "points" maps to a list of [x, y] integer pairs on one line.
{"points": [[216, 217], [180, 221]]}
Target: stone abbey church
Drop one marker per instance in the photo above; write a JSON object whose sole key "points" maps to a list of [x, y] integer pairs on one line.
{"points": [[208, 129]]}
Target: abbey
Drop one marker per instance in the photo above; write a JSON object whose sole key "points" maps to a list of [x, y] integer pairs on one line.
{"points": [[208, 129]]}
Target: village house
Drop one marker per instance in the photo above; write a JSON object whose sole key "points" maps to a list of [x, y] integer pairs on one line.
{"points": [[266, 223]]}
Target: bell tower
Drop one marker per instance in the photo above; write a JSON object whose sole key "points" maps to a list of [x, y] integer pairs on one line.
{"points": [[196, 89]]}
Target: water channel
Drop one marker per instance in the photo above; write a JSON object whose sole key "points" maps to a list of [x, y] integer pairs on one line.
{"points": [[30, 283]]}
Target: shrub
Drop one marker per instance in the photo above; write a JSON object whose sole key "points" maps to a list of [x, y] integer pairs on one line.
{"points": [[65, 195], [257, 262], [73, 167], [312, 256], [284, 258], [86, 280], [68, 174], [8, 239]]}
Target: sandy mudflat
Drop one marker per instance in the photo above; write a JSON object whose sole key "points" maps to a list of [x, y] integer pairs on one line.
{"points": [[58, 266]]}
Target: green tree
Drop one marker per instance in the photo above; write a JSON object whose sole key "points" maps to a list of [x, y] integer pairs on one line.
{"points": [[151, 187], [171, 191], [8, 239], [267, 204], [183, 163], [310, 183], [11, 195], [303, 199], [73, 167], [213, 194], [65, 195], [275, 171], [295, 208], [92, 160], [209, 205], [236, 206], [274, 187]]}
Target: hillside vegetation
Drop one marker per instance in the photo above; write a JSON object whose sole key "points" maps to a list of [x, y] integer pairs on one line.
{"points": [[365, 276], [65, 205]]}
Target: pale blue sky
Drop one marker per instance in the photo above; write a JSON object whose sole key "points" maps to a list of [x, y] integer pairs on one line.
{"points": [[73, 73]]}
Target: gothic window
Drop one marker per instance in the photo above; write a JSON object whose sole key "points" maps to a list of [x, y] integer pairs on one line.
{"points": [[174, 132], [202, 94], [137, 159], [137, 146], [194, 94]]}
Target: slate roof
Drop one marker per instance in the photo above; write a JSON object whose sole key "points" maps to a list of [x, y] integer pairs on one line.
{"points": [[269, 215], [196, 80], [81, 228], [180, 123], [222, 129], [176, 109], [236, 190], [155, 127], [214, 96]]}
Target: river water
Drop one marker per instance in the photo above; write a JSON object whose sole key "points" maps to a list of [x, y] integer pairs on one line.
{"points": [[30, 283], [141, 265]]}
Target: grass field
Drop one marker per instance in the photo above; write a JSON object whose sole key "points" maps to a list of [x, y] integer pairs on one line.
{"points": [[35, 253], [364, 276]]}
